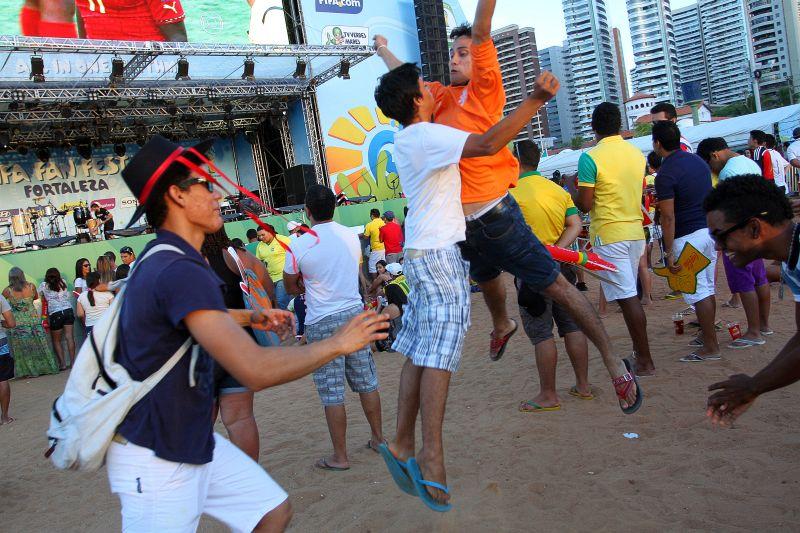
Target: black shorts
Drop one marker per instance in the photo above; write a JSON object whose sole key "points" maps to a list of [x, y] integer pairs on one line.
{"points": [[59, 319], [396, 296], [6, 362]]}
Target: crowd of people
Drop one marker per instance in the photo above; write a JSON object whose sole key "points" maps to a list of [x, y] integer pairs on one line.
{"points": [[475, 210]]}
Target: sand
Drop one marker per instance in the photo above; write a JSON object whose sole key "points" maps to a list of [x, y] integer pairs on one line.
{"points": [[570, 470]]}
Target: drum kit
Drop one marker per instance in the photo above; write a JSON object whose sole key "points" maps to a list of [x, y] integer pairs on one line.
{"points": [[43, 221]]}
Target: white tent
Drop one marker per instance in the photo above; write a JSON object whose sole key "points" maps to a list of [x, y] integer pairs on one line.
{"points": [[734, 130]]}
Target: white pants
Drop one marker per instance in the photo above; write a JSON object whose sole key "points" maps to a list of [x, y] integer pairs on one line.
{"points": [[625, 256], [374, 257], [701, 240], [163, 496]]}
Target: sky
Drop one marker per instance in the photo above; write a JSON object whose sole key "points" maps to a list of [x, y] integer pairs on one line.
{"points": [[547, 19]]}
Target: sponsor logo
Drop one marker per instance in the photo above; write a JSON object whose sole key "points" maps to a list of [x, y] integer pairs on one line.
{"points": [[345, 35], [171, 7], [129, 201], [105, 203], [340, 6]]}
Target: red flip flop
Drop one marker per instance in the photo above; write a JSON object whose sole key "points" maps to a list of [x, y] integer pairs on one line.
{"points": [[497, 347]]}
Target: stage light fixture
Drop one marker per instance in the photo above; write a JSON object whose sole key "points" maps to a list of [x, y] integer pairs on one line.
{"points": [[300, 71], [260, 91], [84, 147], [249, 69], [92, 95], [183, 69], [37, 69], [17, 95], [43, 154], [344, 69], [22, 149], [119, 149], [117, 70]]}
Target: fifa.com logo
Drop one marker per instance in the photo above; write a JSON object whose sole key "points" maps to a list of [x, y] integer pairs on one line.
{"points": [[340, 6]]}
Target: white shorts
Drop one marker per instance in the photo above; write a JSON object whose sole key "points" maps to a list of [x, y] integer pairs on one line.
{"points": [[625, 256], [374, 257], [701, 240], [163, 496]]}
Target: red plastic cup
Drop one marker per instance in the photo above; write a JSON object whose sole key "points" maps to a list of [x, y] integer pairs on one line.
{"points": [[735, 330], [678, 322]]}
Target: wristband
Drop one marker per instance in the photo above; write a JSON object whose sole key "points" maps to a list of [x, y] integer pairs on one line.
{"points": [[379, 48]]}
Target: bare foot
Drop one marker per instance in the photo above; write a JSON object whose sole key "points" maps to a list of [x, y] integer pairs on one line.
{"points": [[546, 400], [647, 301], [510, 325], [330, 463], [7, 420], [401, 453], [433, 470]]}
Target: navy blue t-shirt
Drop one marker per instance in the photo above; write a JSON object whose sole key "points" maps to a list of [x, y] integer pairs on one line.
{"points": [[174, 419], [685, 178]]}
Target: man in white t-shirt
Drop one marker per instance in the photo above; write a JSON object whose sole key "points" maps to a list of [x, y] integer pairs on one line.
{"points": [[793, 152], [325, 266], [6, 361], [437, 315], [779, 164]]}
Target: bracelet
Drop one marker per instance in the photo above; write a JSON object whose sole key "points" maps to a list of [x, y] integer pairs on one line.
{"points": [[379, 48]]}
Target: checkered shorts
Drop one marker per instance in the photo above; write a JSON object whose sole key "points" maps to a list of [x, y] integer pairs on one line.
{"points": [[358, 368], [436, 317]]}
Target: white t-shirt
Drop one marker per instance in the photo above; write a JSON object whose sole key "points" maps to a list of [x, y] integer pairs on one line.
{"points": [[102, 301], [4, 306], [793, 152], [80, 283], [778, 167], [330, 269], [427, 157]]}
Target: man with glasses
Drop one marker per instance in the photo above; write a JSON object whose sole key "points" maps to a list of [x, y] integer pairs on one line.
{"points": [[750, 218]]}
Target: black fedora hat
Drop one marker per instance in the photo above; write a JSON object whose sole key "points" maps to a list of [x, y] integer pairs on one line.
{"points": [[154, 161]]}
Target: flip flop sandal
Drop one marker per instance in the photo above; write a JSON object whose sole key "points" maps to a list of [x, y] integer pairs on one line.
{"points": [[692, 358], [497, 347], [421, 485], [399, 470], [573, 391], [741, 344], [731, 306], [322, 464], [532, 407], [623, 384], [768, 332], [369, 446], [695, 343]]}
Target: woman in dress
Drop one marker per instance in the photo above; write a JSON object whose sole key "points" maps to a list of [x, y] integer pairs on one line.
{"points": [[93, 303], [32, 354], [59, 314], [82, 269]]}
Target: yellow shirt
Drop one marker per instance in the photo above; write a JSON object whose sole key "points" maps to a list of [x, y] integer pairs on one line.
{"points": [[274, 256], [544, 205], [372, 230], [614, 168]]}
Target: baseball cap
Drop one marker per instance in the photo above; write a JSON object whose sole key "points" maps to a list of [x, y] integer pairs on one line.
{"points": [[292, 225], [388, 215], [126, 250], [796, 133], [395, 269]]}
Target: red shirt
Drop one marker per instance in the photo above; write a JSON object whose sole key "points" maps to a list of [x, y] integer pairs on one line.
{"points": [[391, 235], [128, 20]]}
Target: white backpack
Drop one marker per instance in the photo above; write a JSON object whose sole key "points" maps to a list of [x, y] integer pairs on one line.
{"points": [[99, 392]]}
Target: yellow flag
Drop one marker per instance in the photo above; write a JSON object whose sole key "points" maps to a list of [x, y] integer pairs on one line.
{"points": [[692, 262]]}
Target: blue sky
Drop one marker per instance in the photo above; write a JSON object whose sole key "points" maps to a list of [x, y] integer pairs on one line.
{"points": [[547, 18]]}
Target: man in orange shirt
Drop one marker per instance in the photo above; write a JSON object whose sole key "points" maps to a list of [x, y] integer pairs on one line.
{"points": [[498, 239]]}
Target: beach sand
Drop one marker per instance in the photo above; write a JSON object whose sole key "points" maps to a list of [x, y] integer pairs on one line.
{"points": [[571, 470]]}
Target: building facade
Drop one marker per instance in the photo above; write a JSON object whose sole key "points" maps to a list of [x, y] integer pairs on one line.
{"points": [[690, 44], [519, 65], [654, 50], [771, 47], [591, 56], [726, 44], [637, 106], [559, 114]]}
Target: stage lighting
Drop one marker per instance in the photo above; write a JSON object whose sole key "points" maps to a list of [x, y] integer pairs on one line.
{"points": [[249, 69], [43, 154], [300, 71], [17, 95], [117, 70], [84, 148], [344, 69], [37, 69], [183, 69], [22, 149], [119, 149], [92, 95]]}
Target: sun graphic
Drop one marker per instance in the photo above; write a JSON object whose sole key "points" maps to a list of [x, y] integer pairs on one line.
{"points": [[346, 165]]}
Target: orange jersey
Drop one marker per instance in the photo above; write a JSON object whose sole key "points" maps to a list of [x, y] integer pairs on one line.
{"points": [[475, 108]]}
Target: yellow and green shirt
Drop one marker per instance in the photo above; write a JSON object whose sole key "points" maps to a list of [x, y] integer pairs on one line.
{"points": [[274, 256], [373, 231], [614, 168], [544, 205]]}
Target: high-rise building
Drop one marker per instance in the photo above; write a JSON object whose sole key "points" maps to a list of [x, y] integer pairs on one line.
{"points": [[591, 55], [691, 48], [622, 70], [791, 13], [654, 51], [768, 28], [725, 37], [519, 65], [559, 114]]}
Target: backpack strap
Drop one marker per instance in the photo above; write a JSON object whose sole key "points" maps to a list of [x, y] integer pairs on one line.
{"points": [[159, 374]]}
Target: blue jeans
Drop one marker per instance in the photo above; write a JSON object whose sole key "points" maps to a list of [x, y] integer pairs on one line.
{"points": [[501, 240], [281, 296]]}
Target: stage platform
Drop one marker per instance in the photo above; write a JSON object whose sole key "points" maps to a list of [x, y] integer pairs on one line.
{"points": [[35, 263]]}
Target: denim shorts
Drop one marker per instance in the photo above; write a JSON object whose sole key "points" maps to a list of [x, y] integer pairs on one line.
{"points": [[59, 319], [500, 240]]}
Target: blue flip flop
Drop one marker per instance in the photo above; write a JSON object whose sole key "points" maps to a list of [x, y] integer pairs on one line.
{"points": [[398, 469], [420, 484]]}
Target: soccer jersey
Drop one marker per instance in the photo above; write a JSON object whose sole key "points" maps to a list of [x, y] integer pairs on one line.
{"points": [[373, 232], [763, 157], [545, 206], [128, 20], [273, 255]]}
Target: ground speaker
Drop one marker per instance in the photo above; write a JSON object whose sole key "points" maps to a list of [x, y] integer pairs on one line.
{"points": [[433, 45], [297, 179]]}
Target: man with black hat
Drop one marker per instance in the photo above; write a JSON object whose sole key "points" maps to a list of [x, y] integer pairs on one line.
{"points": [[167, 439]]}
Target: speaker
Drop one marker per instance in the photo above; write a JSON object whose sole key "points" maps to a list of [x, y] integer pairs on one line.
{"points": [[433, 46], [297, 179]]}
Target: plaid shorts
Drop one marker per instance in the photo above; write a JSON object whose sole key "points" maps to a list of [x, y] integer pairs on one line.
{"points": [[358, 368], [436, 317]]}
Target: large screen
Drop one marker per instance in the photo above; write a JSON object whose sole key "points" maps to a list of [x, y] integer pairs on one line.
{"points": [[218, 21]]}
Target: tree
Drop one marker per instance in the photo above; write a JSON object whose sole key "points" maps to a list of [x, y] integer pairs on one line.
{"points": [[643, 129], [577, 142]]}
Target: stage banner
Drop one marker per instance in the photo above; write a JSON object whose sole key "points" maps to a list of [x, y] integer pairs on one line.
{"points": [[358, 137], [67, 180]]}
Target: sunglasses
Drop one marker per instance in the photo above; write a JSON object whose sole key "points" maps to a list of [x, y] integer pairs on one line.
{"points": [[721, 237], [185, 184]]}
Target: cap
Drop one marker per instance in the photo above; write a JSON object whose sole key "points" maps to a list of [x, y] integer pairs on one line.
{"points": [[292, 225], [126, 250], [796, 133], [388, 215], [395, 269]]}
